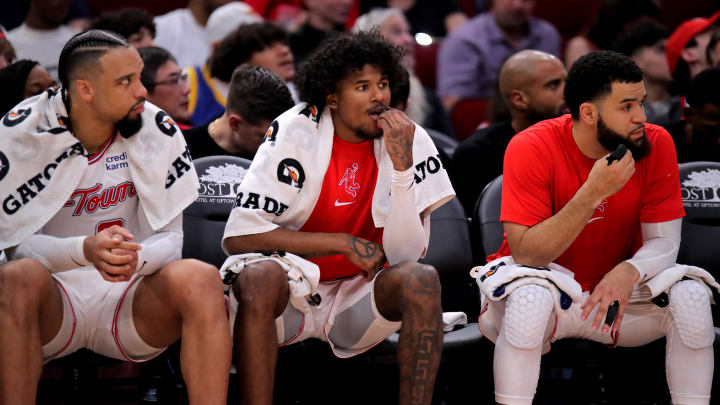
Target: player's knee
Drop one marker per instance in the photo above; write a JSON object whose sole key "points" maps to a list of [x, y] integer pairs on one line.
{"points": [[526, 315], [195, 280], [420, 284], [422, 276], [690, 307], [26, 278], [260, 284]]}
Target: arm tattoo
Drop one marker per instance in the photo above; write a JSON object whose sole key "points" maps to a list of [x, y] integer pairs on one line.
{"points": [[364, 249]]}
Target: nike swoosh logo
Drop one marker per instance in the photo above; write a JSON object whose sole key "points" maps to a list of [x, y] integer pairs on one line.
{"points": [[340, 204], [594, 219]]}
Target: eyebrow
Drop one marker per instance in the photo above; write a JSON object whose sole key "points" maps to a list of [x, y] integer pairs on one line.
{"points": [[121, 78], [625, 100]]}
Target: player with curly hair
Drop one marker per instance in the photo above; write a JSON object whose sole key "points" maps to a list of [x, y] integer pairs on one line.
{"points": [[354, 186]]}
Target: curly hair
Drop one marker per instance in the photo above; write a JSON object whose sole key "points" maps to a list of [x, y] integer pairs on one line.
{"points": [[340, 55], [592, 76], [126, 21], [240, 45]]}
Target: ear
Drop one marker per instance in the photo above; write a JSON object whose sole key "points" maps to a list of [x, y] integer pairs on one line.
{"points": [[84, 90], [332, 101], [234, 121], [690, 55], [589, 114], [519, 100]]}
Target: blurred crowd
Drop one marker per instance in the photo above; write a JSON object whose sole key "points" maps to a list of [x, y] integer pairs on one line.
{"points": [[478, 71]]}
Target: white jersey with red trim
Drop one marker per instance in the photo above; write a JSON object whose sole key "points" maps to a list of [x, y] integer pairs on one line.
{"points": [[105, 196]]}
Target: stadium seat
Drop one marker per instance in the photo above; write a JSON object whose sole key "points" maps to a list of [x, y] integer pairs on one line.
{"points": [[467, 114], [488, 233], [700, 185], [443, 142], [204, 220], [580, 368]]}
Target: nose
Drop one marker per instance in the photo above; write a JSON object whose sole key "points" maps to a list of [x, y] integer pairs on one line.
{"points": [[140, 91], [377, 96], [640, 117], [184, 88], [282, 48]]}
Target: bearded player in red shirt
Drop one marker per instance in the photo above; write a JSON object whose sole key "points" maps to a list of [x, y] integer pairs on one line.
{"points": [[344, 183], [614, 223]]}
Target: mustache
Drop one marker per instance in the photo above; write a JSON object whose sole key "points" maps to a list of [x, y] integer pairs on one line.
{"points": [[641, 126], [377, 108], [141, 101]]}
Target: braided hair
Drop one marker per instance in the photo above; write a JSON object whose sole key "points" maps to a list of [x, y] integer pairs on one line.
{"points": [[86, 47]]}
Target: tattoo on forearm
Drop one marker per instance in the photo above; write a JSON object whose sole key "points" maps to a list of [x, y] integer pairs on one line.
{"points": [[364, 249], [421, 377]]}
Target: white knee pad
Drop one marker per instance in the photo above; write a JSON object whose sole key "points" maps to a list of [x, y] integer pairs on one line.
{"points": [[526, 315], [690, 307]]}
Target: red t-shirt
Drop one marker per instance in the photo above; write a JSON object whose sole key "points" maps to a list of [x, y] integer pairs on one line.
{"points": [[345, 203], [543, 170]]}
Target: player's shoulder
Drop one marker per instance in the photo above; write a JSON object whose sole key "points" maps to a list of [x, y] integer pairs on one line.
{"points": [[543, 135], [659, 138], [657, 133]]}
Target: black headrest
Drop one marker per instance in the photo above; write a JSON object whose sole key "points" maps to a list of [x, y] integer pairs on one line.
{"points": [[700, 185], [204, 220], [449, 249], [486, 217], [220, 177]]}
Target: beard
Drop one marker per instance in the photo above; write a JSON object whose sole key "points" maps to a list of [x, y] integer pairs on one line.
{"points": [[610, 140], [362, 133], [128, 126]]}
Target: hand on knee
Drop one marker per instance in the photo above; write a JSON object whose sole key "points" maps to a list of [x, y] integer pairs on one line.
{"points": [[690, 307], [526, 315]]}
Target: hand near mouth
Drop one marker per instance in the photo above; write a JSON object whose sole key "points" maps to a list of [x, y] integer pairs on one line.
{"points": [[398, 133]]}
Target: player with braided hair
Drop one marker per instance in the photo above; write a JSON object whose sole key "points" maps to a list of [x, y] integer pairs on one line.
{"points": [[93, 182]]}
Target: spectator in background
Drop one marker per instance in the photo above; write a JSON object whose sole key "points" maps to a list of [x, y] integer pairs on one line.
{"points": [[686, 49], [42, 36], [645, 43], [258, 44], [697, 137], [432, 17], [182, 32], [424, 107], [256, 97], [531, 84], [610, 24], [135, 24], [712, 53], [166, 84], [226, 19], [322, 17], [20, 80], [7, 52], [471, 56]]}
